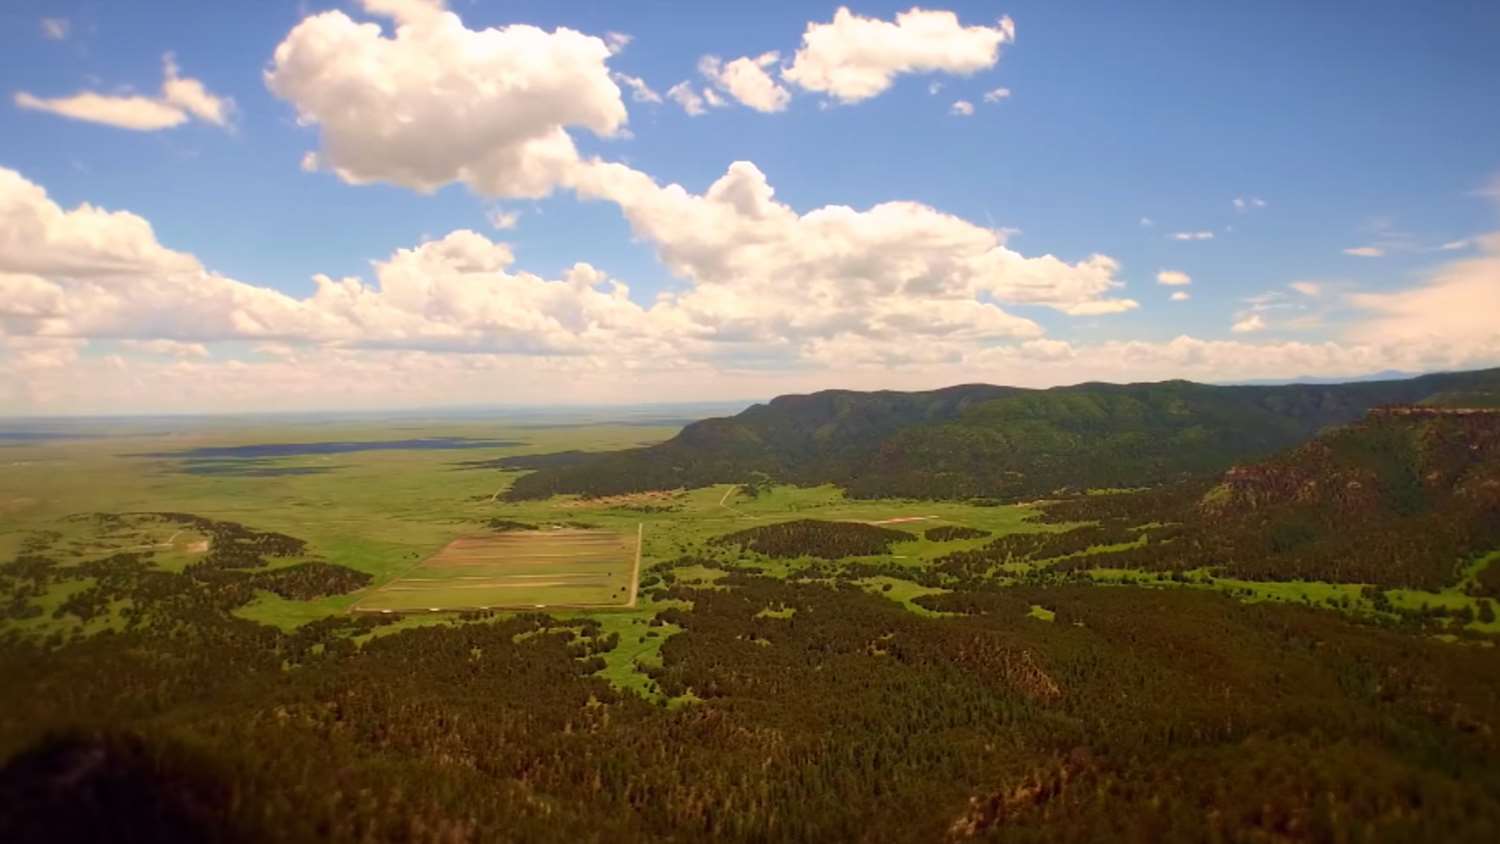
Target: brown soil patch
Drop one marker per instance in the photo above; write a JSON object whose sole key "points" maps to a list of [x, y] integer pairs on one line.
{"points": [[653, 497]]}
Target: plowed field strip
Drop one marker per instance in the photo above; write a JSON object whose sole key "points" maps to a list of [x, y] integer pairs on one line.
{"points": [[497, 584]]}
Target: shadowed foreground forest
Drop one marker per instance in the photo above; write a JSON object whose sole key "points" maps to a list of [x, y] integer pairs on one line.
{"points": [[1133, 714]]}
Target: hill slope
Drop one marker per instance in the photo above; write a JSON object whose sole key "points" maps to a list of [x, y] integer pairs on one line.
{"points": [[986, 441], [1398, 499]]}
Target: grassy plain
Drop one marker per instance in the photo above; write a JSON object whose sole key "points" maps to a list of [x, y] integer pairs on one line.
{"points": [[416, 521], [380, 512]]}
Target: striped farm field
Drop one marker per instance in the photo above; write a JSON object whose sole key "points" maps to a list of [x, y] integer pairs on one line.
{"points": [[531, 569]]}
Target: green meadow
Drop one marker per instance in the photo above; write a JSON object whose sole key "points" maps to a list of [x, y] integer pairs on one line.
{"points": [[391, 512]]}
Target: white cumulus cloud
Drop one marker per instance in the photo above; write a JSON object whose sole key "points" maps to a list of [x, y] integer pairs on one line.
{"points": [[1248, 324], [182, 98], [746, 80], [435, 103], [854, 58], [764, 283], [762, 271], [89, 273], [1173, 278]]}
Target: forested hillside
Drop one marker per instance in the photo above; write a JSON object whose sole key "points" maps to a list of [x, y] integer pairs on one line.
{"points": [[1404, 498], [1136, 715], [979, 441]]}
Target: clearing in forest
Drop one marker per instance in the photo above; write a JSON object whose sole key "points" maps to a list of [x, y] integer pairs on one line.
{"points": [[549, 567]]}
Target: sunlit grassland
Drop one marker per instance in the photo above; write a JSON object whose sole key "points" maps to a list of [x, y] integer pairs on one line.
{"points": [[380, 512], [546, 567], [386, 512], [903, 592], [1344, 597], [639, 649], [1041, 613]]}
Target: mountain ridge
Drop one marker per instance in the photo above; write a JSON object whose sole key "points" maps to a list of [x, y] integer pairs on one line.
{"points": [[992, 441]]}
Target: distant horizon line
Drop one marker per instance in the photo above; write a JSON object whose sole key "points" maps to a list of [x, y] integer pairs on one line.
{"points": [[445, 410]]}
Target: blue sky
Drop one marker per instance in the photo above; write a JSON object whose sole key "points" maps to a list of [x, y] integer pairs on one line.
{"points": [[1361, 125]]}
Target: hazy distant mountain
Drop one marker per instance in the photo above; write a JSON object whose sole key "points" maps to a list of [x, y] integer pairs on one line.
{"points": [[1383, 375]]}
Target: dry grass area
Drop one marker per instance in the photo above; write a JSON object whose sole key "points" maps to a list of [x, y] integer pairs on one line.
{"points": [[657, 497], [561, 567]]}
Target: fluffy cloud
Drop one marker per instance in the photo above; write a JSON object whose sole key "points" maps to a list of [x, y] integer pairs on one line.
{"points": [[765, 282], [192, 97], [92, 273], [68, 277], [1199, 235], [459, 294], [182, 98], [996, 95], [57, 378], [1242, 203], [1248, 324], [1174, 278], [639, 90], [961, 108], [762, 271], [1406, 330], [1180, 296], [436, 103], [854, 58], [746, 80], [27, 355], [143, 114], [683, 94], [1307, 288], [88, 273]]}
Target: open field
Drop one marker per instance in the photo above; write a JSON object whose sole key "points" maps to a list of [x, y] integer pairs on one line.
{"points": [[563, 567], [406, 510], [380, 511]]}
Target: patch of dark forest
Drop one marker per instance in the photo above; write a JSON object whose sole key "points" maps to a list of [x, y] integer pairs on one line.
{"points": [[205, 590]]}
